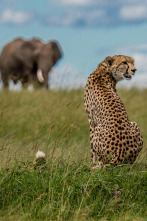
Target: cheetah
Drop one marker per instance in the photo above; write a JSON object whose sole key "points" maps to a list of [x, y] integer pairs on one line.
{"points": [[114, 138]]}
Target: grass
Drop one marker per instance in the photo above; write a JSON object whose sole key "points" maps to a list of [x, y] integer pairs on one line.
{"points": [[64, 188]]}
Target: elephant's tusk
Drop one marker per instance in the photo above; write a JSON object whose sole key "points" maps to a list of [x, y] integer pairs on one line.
{"points": [[40, 76]]}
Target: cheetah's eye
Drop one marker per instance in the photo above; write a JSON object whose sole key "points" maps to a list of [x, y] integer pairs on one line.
{"points": [[124, 62]]}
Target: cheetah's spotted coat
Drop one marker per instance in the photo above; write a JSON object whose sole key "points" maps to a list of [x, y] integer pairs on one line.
{"points": [[114, 139]]}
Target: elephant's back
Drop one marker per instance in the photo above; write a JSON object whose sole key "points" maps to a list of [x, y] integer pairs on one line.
{"points": [[11, 47], [9, 53]]}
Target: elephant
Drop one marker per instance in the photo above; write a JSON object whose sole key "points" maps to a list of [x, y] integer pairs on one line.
{"points": [[28, 61]]}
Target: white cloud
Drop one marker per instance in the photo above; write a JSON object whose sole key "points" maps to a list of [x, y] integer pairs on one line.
{"points": [[98, 12], [15, 17], [95, 2], [66, 77], [133, 1], [140, 47], [76, 2], [133, 12], [140, 61], [79, 17], [138, 81]]}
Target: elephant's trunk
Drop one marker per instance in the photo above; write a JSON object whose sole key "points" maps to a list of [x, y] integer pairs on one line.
{"points": [[40, 76]]}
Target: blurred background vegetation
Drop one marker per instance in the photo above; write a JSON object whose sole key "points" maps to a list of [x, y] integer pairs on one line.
{"points": [[55, 121]]}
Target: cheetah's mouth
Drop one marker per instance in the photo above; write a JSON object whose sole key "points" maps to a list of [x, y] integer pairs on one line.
{"points": [[127, 76]]}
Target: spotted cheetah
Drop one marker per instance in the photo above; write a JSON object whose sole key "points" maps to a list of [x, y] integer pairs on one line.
{"points": [[114, 139]]}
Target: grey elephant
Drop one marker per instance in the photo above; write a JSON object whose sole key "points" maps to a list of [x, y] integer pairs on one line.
{"points": [[28, 61]]}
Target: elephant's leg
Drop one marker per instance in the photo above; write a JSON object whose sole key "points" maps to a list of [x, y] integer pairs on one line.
{"points": [[47, 84], [36, 84], [46, 80], [25, 80], [24, 85], [34, 81], [5, 80], [5, 84]]}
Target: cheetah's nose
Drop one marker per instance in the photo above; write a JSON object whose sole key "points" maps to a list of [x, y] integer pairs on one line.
{"points": [[134, 70]]}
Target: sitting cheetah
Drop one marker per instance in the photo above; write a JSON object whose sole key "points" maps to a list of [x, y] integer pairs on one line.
{"points": [[114, 139]]}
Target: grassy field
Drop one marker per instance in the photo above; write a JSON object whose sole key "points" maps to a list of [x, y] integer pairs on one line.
{"points": [[64, 188]]}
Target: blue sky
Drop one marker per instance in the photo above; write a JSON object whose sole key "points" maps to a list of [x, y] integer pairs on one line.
{"points": [[87, 30]]}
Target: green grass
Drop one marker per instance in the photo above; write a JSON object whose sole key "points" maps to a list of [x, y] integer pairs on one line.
{"points": [[64, 188]]}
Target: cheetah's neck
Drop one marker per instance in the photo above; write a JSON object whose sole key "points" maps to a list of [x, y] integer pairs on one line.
{"points": [[103, 77]]}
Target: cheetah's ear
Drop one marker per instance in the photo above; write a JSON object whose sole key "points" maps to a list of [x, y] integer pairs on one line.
{"points": [[109, 60]]}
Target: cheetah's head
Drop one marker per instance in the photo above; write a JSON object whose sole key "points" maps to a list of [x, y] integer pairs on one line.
{"points": [[121, 66]]}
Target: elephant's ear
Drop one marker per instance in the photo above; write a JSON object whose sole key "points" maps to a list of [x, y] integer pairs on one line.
{"points": [[53, 45], [56, 51]]}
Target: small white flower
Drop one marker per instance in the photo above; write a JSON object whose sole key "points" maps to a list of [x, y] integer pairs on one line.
{"points": [[40, 155]]}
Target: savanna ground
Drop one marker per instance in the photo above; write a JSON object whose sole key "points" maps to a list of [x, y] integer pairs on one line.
{"points": [[65, 188]]}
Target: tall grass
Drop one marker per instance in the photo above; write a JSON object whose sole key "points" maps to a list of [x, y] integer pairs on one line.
{"points": [[64, 191], [64, 188]]}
